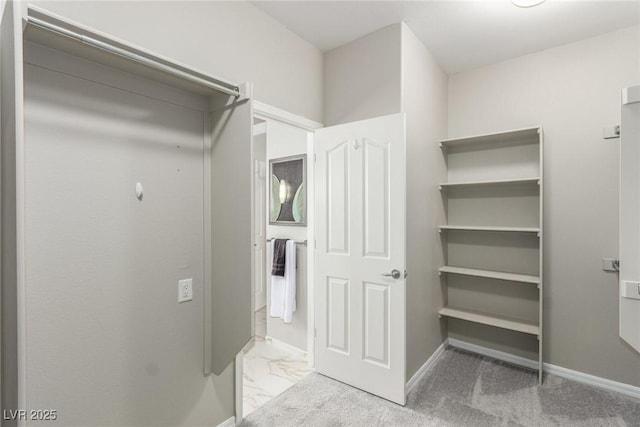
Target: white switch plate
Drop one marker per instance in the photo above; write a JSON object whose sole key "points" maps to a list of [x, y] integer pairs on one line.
{"points": [[185, 290]]}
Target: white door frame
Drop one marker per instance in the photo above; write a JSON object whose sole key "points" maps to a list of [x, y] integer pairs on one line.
{"points": [[264, 111]]}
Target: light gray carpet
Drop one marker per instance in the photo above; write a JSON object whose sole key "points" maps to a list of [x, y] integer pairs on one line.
{"points": [[461, 389]]}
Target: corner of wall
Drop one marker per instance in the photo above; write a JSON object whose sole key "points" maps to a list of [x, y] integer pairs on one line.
{"points": [[424, 100]]}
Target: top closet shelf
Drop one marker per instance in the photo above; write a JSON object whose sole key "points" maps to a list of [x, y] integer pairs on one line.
{"points": [[530, 180], [516, 135]]}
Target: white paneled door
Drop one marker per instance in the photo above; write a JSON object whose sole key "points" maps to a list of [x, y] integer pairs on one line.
{"points": [[360, 255]]}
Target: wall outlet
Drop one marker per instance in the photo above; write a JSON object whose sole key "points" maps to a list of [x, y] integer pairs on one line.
{"points": [[185, 290]]}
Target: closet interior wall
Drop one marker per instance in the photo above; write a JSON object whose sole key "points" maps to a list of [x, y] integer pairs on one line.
{"points": [[97, 267]]}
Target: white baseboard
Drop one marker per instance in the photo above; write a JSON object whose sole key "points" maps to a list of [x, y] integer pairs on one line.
{"points": [[548, 368], [496, 354], [424, 368], [276, 342], [592, 380], [229, 422]]}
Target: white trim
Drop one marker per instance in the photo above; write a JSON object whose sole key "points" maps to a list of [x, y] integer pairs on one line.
{"points": [[495, 354], [569, 374], [229, 422], [285, 346], [311, 250], [424, 368], [267, 112], [239, 389], [592, 380]]}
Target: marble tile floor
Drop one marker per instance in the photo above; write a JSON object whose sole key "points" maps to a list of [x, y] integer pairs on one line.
{"points": [[269, 370]]}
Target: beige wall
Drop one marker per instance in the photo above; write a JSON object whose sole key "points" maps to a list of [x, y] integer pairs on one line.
{"points": [[230, 39], [573, 91], [362, 78], [424, 100]]}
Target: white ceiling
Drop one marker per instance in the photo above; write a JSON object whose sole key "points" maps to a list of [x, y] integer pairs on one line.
{"points": [[460, 34]]}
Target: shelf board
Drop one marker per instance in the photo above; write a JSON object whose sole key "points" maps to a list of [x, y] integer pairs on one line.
{"points": [[500, 275], [531, 180], [490, 228], [490, 319], [512, 135]]}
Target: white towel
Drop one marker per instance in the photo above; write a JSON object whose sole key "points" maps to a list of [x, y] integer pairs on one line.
{"points": [[283, 289]]}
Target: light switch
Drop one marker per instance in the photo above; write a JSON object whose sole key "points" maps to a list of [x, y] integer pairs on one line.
{"points": [[631, 289], [185, 290]]}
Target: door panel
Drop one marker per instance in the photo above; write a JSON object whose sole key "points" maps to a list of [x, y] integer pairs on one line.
{"points": [[337, 199], [360, 208], [338, 314], [231, 231], [376, 198], [376, 323]]}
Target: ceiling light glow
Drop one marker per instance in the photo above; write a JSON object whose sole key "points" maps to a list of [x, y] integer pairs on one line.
{"points": [[527, 3]]}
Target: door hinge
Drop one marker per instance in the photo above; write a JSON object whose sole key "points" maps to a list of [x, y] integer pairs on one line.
{"points": [[315, 157], [315, 333]]}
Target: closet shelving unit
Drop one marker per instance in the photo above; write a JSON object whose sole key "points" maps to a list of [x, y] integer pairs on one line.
{"points": [[494, 233]]}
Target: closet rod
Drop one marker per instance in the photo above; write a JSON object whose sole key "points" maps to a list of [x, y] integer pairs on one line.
{"points": [[304, 243], [211, 83]]}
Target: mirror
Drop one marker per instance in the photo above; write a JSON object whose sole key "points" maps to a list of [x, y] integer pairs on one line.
{"points": [[288, 204]]}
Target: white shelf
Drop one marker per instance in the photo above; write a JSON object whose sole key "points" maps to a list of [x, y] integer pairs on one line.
{"points": [[531, 180], [517, 135], [500, 275], [488, 228], [490, 319]]}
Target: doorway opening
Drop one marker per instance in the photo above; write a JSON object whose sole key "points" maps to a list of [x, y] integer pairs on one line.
{"points": [[280, 353]]}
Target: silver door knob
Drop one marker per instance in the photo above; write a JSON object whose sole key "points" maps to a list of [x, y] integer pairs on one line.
{"points": [[394, 273]]}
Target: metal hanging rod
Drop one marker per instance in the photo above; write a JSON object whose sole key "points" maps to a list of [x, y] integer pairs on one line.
{"points": [[209, 82], [304, 243]]}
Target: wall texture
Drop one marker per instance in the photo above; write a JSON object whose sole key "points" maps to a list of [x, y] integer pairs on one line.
{"points": [[573, 91], [424, 100], [232, 40], [362, 78]]}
